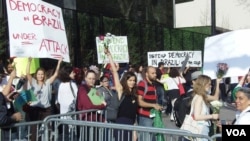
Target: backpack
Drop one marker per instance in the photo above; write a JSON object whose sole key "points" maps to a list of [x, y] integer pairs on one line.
{"points": [[113, 102], [182, 107]]}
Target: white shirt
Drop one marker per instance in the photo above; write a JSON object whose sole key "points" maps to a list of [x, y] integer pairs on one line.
{"points": [[234, 79], [243, 117], [65, 96], [172, 82]]}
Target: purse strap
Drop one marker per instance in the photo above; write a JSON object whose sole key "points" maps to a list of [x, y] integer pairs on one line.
{"points": [[73, 93], [192, 107]]}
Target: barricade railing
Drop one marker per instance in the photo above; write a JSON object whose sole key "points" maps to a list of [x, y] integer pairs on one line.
{"points": [[79, 127], [90, 131], [214, 137], [23, 131], [78, 115]]}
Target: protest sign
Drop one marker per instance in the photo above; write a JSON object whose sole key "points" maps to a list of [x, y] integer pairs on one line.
{"points": [[231, 48], [175, 58], [118, 47], [36, 29], [21, 64]]}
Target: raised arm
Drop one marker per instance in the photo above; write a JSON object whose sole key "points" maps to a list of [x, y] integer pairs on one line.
{"points": [[28, 75], [118, 85], [217, 91], [53, 77], [7, 88]]}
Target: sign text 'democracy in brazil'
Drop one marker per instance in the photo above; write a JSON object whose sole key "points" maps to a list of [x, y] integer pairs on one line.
{"points": [[36, 29], [175, 58]]}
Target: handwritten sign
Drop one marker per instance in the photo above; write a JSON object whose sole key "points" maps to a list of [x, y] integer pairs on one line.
{"points": [[36, 29], [175, 58], [118, 47], [231, 48]]}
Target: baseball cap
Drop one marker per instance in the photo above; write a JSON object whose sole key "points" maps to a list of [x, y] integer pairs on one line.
{"points": [[195, 75]]}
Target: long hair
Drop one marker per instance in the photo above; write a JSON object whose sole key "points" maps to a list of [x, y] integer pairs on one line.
{"points": [[64, 73], [200, 86], [124, 84]]}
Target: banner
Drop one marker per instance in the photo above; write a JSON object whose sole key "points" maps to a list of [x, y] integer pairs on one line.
{"points": [[231, 48], [36, 29], [175, 58], [118, 47], [21, 65]]}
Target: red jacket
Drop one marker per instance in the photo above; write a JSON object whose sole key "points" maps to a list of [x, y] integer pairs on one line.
{"points": [[84, 103]]}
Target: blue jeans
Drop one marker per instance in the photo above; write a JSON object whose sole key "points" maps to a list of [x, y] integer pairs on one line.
{"points": [[160, 95], [146, 122]]}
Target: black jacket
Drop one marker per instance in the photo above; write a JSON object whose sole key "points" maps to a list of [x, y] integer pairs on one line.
{"points": [[5, 113]]}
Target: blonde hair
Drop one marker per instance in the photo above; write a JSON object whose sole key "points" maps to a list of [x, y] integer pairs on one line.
{"points": [[199, 87]]}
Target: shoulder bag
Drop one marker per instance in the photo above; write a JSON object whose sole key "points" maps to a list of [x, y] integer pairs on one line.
{"points": [[191, 125], [72, 106]]}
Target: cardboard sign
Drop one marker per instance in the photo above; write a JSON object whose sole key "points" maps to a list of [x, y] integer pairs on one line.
{"points": [[175, 58], [118, 47], [36, 29]]}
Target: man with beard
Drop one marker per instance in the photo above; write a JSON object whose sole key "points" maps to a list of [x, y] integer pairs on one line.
{"points": [[147, 99]]}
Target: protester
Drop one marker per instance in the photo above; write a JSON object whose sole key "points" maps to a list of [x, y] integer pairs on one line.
{"points": [[201, 111], [126, 90], [7, 112], [147, 99], [41, 86], [173, 92], [242, 103], [159, 86], [138, 72], [84, 102], [111, 98], [67, 90]]}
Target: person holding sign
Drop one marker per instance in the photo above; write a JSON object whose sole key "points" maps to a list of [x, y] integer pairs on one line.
{"points": [[127, 94], [41, 86]]}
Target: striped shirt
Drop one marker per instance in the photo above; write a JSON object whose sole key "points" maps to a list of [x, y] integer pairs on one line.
{"points": [[149, 97]]}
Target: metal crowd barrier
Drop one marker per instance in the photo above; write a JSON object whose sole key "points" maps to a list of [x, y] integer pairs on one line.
{"points": [[77, 130], [23, 131], [74, 127]]}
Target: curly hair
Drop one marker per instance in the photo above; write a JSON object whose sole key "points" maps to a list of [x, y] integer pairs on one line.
{"points": [[124, 84], [200, 87]]}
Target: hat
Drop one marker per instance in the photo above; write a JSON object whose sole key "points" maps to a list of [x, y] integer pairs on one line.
{"points": [[195, 75]]}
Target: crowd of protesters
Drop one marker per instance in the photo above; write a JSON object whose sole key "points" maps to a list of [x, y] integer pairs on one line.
{"points": [[137, 87]]}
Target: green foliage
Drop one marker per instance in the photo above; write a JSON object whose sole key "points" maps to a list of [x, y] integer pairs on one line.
{"points": [[142, 38]]}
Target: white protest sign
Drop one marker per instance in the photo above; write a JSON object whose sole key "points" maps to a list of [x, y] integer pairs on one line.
{"points": [[36, 29], [231, 48], [174, 58], [118, 47]]}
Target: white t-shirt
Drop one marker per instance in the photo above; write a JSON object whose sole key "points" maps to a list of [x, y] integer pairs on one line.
{"points": [[172, 82], [243, 117], [65, 95], [42, 93]]}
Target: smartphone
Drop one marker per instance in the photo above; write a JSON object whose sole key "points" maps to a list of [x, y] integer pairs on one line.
{"points": [[223, 122]]}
